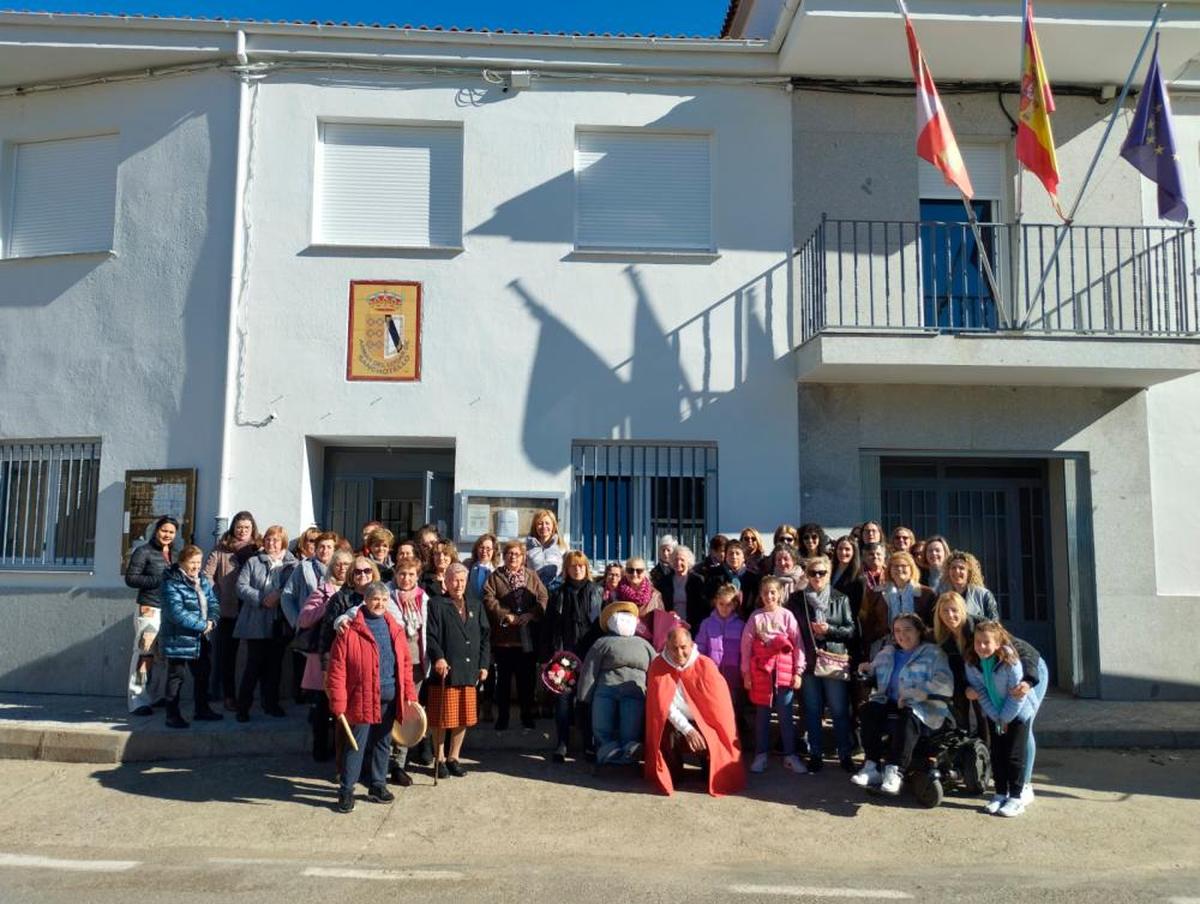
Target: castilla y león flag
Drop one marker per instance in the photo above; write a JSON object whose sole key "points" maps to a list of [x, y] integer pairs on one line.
{"points": [[1035, 140], [935, 138]]}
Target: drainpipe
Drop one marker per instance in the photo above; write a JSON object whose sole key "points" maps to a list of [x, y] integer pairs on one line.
{"points": [[237, 261]]}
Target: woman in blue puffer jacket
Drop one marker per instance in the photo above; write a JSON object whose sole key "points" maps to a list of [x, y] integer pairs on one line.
{"points": [[189, 614]]}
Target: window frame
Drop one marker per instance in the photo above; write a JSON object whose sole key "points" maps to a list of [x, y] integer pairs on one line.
{"points": [[9, 183], [51, 456], [708, 251]]}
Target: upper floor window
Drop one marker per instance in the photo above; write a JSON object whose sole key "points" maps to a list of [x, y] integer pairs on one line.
{"points": [[63, 197], [389, 186], [48, 496], [643, 191]]}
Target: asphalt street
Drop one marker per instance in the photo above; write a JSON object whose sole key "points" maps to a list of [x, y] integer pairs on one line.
{"points": [[1107, 827]]}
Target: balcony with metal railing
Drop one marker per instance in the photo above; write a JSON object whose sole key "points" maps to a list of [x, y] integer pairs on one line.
{"points": [[937, 302]]}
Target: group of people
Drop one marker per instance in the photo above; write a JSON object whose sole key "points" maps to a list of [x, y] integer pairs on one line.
{"points": [[896, 638]]}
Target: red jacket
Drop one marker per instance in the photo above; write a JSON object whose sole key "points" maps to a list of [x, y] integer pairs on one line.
{"points": [[771, 666], [353, 679]]}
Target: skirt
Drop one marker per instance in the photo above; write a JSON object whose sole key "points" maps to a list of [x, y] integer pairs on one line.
{"points": [[451, 707]]}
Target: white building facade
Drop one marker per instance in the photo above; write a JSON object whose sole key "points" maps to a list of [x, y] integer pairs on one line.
{"points": [[630, 304]]}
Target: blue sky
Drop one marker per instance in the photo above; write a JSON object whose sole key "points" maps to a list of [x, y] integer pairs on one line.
{"points": [[692, 17]]}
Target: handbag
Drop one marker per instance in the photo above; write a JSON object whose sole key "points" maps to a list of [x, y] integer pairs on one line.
{"points": [[832, 665]]}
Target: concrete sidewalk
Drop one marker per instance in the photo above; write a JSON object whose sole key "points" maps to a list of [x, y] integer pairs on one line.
{"points": [[98, 730]]}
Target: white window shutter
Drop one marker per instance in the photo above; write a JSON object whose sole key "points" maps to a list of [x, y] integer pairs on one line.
{"points": [[64, 196], [636, 190], [987, 165], [390, 185]]}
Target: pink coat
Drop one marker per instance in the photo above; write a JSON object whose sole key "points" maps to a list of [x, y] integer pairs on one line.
{"points": [[773, 662], [311, 614]]}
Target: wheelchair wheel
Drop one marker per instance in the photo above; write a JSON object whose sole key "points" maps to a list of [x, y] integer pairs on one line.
{"points": [[927, 789]]}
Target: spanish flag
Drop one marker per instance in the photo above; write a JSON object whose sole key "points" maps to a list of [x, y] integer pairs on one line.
{"points": [[1035, 139]]}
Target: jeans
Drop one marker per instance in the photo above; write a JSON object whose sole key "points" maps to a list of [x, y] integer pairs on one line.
{"points": [[513, 662], [617, 715], [374, 747], [818, 693], [1038, 693], [264, 662], [200, 669], [564, 710], [782, 702]]}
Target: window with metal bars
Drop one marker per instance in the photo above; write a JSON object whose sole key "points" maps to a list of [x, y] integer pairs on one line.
{"points": [[625, 495], [48, 503]]}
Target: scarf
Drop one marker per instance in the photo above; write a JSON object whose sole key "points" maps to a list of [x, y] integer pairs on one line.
{"points": [[873, 580], [195, 582], [411, 604], [516, 580], [898, 600], [988, 667], [640, 594], [818, 603]]}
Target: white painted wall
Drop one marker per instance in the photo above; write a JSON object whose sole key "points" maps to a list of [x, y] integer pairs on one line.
{"points": [[526, 345], [128, 348]]}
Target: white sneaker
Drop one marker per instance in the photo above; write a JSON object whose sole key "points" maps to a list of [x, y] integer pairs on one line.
{"points": [[891, 780], [794, 764], [1012, 807], [994, 804], [760, 763], [1027, 795], [867, 775]]}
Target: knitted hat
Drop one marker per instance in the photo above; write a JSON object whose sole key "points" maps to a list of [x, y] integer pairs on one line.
{"points": [[613, 608]]}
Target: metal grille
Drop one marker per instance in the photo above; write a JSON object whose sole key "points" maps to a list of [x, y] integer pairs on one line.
{"points": [[625, 495], [48, 503]]}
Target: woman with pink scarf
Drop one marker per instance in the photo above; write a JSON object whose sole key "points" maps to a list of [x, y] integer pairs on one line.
{"points": [[654, 622]]}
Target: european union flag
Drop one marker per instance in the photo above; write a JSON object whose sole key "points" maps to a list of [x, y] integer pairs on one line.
{"points": [[1150, 145]]}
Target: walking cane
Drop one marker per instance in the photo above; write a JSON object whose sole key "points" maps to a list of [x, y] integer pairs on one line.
{"points": [[346, 728], [437, 752]]}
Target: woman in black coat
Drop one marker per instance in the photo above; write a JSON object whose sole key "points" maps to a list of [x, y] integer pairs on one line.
{"points": [[570, 625], [827, 623], [147, 568], [456, 641], [682, 590]]}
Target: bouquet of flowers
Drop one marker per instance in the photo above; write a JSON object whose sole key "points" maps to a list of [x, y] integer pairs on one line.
{"points": [[561, 672]]}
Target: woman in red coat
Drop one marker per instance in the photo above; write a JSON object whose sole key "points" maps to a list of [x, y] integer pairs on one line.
{"points": [[369, 673]]}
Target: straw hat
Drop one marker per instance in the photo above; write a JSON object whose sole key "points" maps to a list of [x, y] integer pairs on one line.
{"points": [[408, 730], [617, 606]]}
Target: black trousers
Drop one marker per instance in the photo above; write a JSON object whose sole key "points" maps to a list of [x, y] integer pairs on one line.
{"points": [[227, 646], [510, 663], [201, 668], [904, 736], [1009, 749], [264, 662]]}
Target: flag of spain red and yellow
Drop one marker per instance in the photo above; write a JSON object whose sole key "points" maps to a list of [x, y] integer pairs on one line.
{"points": [[1035, 139]]}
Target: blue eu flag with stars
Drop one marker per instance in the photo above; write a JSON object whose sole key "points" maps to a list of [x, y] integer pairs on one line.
{"points": [[1150, 145]]}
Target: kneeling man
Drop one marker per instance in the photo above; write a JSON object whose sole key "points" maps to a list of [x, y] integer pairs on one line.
{"points": [[689, 714]]}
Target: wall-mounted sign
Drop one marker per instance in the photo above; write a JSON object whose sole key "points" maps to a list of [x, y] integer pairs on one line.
{"points": [[507, 514], [151, 494], [385, 331]]}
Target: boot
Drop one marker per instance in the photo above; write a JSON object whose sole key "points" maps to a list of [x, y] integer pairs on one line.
{"points": [[175, 717]]}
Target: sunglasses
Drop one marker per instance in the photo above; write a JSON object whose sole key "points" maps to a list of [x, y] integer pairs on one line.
{"points": [[363, 571], [787, 538], [635, 570], [811, 536], [817, 574]]}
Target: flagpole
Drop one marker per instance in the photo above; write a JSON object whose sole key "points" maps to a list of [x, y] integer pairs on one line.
{"points": [[973, 221], [1112, 121], [1017, 236]]}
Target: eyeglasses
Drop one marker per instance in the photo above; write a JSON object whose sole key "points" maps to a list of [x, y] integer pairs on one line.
{"points": [[817, 574], [363, 571], [635, 570]]}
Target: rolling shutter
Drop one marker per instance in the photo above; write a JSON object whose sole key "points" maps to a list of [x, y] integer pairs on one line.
{"points": [[390, 185], [987, 165], [643, 191]]}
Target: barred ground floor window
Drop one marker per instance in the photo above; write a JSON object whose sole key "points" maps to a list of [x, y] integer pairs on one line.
{"points": [[625, 495], [48, 491]]}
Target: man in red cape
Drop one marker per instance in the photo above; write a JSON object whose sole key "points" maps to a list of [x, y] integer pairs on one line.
{"points": [[689, 712]]}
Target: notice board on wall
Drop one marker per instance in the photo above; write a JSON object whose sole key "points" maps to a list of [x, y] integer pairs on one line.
{"points": [[151, 494], [507, 514]]}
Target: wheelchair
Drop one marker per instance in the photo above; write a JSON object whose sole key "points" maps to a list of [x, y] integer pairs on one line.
{"points": [[947, 759]]}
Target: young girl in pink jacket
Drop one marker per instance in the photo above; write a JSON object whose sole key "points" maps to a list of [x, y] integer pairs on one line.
{"points": [[772, 665]]}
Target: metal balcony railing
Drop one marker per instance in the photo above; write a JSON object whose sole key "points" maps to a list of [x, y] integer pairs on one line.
{"points": [[925, 276]]}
